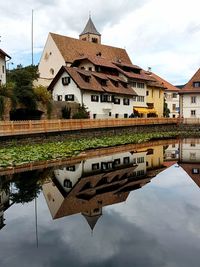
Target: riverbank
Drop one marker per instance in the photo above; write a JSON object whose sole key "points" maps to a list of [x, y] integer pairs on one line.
{"points": [[15, 155]]}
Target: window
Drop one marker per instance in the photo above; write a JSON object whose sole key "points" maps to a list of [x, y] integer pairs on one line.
{"points": [[195, 171], [116, 116], [174, 95], [134, 98], [116, 101], [126, 160], [94, 116], [106, 98], [125, 115], [94, 98], [67, 183], [193, 113], [196, 84], [94, 40], [116, 162], [59, 97], [103, 82], [70, 168], [65, 80], [147, 92], [116, 84], [140, 85], [51, 71], [69, 98], [95, 166], [140, 160], [174, 107], [87, 79], [106, 165], [110, 114], [193, 99], [126, 101], [133, 84], [140, 173], [192, 155], [3, 69], [90, 68], [140, 98]]}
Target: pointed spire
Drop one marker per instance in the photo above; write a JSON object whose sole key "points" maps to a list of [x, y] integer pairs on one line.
{"points": [[90, 28]]}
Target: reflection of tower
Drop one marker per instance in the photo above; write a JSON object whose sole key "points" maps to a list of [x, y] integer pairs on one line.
{"points": [[92, 216]]}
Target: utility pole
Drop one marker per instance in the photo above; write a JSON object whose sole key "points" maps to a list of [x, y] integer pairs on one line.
{"points": [[32, 38]]}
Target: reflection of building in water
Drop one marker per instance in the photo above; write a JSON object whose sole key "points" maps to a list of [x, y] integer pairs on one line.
{"points": [[171, 152], [89, 185], [190, 159]]}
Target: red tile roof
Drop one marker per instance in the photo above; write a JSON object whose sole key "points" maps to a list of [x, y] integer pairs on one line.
{"points": [[188, 88], [168, 86], [72, 48], [93, 84]]}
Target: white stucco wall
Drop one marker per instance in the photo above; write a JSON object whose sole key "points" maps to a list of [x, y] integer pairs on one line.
{"points": [[170, 100], [190, 152], [187, 106], [2, 70], [140, 92], [101, 109], [51, 59]]}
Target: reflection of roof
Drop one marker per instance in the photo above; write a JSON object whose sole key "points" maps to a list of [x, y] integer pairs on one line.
{"points": [[71, 49], [92, 220], [90, 28], [188, 168]]}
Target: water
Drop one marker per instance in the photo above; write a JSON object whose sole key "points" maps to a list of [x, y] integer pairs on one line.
{"points": [[128, 206]]}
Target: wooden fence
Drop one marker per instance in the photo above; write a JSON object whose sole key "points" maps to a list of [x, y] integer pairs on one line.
{"points": [[9, 128]]}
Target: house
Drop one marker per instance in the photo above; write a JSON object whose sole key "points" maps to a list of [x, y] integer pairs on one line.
{"points": [[104, 95], [190, 158], [3, 57], [87, 186], [171, 96], [190, 98], [61, 50]]}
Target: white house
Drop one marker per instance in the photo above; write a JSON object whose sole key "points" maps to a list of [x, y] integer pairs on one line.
{"points": [[3, 57], [104, 95], [62, 50], [190, 98]]}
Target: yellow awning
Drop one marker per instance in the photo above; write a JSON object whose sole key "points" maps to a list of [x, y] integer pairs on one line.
{"points": [[145, 110]]}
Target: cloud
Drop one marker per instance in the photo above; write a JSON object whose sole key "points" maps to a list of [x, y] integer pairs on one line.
{"points": [[162, 34]]}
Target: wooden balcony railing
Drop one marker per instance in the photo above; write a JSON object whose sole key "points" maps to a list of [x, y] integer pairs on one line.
{"points": [[9, 128]]}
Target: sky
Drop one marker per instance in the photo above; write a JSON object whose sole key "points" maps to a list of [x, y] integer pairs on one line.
{"points": [[161, 34]]}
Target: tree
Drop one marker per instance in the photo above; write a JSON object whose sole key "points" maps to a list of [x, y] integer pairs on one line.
{"points": [[82, 113], [166, 110]]}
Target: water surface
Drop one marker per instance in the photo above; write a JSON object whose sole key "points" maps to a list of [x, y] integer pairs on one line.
{"points": [[126, 208]]}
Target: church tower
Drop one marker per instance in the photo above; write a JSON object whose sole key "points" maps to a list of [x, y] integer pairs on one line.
{"points": [[90, 33]]}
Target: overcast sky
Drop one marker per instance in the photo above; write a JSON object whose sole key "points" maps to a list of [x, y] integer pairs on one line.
{"points": [[161, 34]]}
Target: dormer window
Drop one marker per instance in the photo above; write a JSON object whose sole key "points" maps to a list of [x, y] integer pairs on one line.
{"points": [[196, 84], [103, 82], [65, 80]]}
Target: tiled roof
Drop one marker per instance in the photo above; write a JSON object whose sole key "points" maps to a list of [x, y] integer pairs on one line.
{"points": [[188, 88], [163, 83], [4, 53], [121, 64], [71, 49], [93, 84], [90, 28]]}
